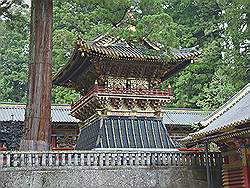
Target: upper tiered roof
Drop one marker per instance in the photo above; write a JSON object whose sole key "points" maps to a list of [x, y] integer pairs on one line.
{"points": [[107, 55]]}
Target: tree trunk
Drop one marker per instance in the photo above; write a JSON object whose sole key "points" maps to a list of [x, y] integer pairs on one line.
{"points": [[37, 125]]}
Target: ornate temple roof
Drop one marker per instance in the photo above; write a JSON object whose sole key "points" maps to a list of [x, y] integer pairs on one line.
{"points": [[183, 116], [125, 132], [111, 47], [16, 112], [233, 116], [161, 63]]}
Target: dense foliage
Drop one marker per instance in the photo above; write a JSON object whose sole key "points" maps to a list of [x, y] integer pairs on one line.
{"points": [[218, 27]]}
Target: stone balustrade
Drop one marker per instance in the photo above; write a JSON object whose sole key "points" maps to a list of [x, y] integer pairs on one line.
{"points": [[105, 158]]}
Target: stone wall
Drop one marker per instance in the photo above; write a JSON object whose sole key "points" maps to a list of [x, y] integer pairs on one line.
{"points": [[118, 176]]}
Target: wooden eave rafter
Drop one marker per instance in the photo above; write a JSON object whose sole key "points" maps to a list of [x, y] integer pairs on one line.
{"points": [[219, 137], [226, 132], [221, 129]]}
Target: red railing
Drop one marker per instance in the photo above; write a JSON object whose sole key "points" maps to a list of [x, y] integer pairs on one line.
{"points": [[127, 91]]}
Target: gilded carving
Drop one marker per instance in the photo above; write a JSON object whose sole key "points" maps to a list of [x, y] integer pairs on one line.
{"points": [[116, 103], [142, 104], [66, 141], [129, 103]]}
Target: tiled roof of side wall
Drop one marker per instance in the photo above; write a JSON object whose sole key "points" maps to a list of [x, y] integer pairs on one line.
{"points": [[235, 111], [16, 112], [183, 116], [230, 103]]}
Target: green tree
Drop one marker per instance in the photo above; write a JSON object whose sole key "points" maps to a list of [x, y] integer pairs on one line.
{"points": [[14, 57], [7, 8], [218, 27]]}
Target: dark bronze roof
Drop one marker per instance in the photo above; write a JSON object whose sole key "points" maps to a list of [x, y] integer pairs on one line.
{"points": [[125, 132], [113, 49], [117, 49]]}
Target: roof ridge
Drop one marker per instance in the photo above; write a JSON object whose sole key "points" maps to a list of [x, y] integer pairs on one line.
{"points": [[225, 107]]}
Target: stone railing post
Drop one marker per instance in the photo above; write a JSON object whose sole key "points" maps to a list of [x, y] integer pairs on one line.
{"points": [[22, 159], [148, 159], [164, 159], [131, 162], [30, 159], [113, 159], [95, 162], [82, 159], [1, 160], [69, 159], [137, 162], [159, 159], [88, 159], [50, 159], [37, 157], [124, 159], [169, 159], [44, 159], [143, 159], [107, 159], [15, 160], [63, 159], [153, 158], [8, 160], [101, 159], [76, 161], [119, 159], [57, 159]]}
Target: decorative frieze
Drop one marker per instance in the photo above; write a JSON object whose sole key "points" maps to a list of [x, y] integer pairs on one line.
{"points": [[66, 141], [112, 102]]}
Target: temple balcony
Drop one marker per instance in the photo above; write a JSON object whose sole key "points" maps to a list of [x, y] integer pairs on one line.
{"points": [[114, 101]]}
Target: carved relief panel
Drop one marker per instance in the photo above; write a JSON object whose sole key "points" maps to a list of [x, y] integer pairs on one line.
{"points": [[116, 82], [120, 82], [139, 83]]}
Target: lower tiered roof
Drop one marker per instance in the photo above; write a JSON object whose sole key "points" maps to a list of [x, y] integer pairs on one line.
{"points": [[125, 132]]}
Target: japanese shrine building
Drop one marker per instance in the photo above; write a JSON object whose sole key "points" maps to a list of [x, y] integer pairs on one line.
{"points": [[121, 103], [180, 122], [64, 131], [229, 128]]}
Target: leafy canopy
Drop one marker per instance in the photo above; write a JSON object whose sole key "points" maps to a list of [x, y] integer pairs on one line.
{"points": [[218, 27]]}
